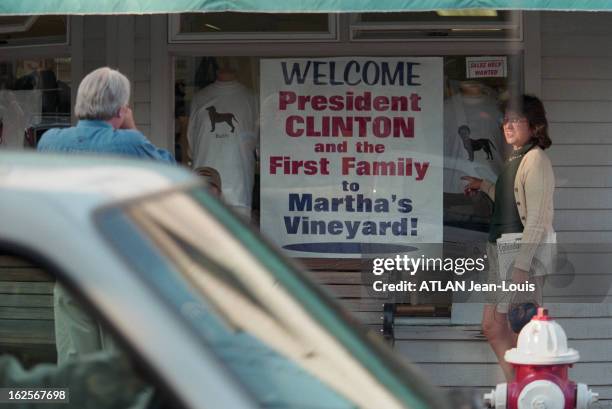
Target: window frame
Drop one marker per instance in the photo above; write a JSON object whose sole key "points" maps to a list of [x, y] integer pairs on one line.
{"points": [[176, 37], [72, 48], [357, 25], [41, 44], [146, 368]]}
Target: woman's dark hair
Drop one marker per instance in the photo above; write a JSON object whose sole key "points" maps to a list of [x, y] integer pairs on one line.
{"points": [[532, 108]]}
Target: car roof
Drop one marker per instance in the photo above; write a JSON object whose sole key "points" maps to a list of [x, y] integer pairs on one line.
{"points": [[102, 179], [39, 189]]}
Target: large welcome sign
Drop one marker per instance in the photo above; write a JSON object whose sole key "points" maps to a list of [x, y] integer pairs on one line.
{"points": [[351, 154]]}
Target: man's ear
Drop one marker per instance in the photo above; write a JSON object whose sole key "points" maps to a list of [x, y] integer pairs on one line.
{"points": [[118, 118]]}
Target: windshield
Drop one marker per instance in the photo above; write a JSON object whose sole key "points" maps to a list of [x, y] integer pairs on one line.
{"points": [[280, 336]]}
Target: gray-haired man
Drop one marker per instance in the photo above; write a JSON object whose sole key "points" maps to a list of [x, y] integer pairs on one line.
{"points": [[106, 123], [106, 126]]}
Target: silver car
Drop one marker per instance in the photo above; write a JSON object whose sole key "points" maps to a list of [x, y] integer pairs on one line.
{"points": [[207, 313]]}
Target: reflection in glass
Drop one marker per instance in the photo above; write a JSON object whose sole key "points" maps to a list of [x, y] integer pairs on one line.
{"points": [[29, 30], [34, 96], [247, 22]]}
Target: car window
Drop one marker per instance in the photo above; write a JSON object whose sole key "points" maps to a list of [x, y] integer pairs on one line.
{"points": [[260, 323], [26, 311], [50, 342]]}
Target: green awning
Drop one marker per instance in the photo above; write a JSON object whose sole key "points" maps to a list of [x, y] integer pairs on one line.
{"points": [[15, 7]]}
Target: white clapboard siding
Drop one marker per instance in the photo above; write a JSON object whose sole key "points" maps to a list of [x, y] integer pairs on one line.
{"points": [[94, 56], [586, 263], [142, 111], [596, 68], [142, 48], [577, 286], [568, 111], [94, 43], [142, 73], [91, 64], [564, 133], [556, 310], [142, 91], [578, 90], [575, 328], [562, 22], [475, 375], [142, 26], [579, 220], [583, 176], [564, 310], [586, 237], [474, 352], [95, 27], [560, 45], [583, 198], [578, 155]]}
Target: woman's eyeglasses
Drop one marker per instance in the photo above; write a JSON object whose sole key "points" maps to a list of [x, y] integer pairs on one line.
{"points": [[514, 120]]}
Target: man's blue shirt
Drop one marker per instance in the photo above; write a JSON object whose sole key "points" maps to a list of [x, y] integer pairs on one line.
{"points": [[90, 136]]}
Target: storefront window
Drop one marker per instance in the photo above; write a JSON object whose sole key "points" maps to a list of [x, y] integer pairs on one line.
{"points": [[252, 119], [32, 30], [35, 92], [441, 25], [473, 139], [34, 96], [229, 26]]}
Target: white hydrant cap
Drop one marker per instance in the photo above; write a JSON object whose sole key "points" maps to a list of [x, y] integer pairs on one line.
{"points": [[585, 397], [542, 342], [497, 398], [541, 394]]}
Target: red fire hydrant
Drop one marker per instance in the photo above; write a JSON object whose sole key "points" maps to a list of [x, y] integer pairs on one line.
{"points": [[541, 362]]}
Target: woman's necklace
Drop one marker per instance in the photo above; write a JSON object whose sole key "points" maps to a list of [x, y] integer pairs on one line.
{"points": [[518, 153], [515, 155]]}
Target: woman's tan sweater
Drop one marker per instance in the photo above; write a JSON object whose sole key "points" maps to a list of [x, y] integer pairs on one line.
{"points": [[534, 186]]}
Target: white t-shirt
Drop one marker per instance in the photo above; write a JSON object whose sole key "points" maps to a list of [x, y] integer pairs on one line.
{"points": [[226, 144], [483, 118]]}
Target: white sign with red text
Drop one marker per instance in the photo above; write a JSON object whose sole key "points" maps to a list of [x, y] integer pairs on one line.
{"points": [[486, 67], [351, 154]]}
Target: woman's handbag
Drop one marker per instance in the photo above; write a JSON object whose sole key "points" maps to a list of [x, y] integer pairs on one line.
{"points": [[520, 314]]}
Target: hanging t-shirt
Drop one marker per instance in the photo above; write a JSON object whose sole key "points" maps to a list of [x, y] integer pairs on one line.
{"points": [[222, 135], [473, 141]]}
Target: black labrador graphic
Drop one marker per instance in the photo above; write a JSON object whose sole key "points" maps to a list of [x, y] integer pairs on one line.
{"points": [[473, 145], [216, 117]]}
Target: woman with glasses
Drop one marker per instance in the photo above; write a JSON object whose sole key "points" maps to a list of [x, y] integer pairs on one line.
{"points": [[523, 203]]}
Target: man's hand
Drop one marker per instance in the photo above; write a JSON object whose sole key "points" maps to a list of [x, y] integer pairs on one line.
{"points": [[128, 119], [519, 276]]}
